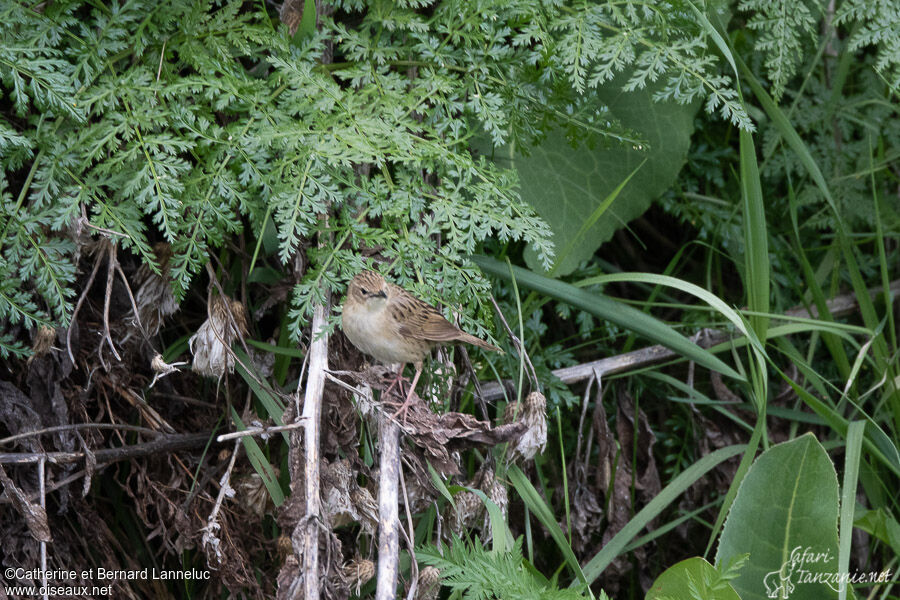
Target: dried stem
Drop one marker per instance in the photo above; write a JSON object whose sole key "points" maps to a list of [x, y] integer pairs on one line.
{"points": [[261, 430], [162, 445], [584, 407], [76, 427], [42, 473], [481, 403], [520, 347], [55, 485], [134, 307], [110, 276], [312, 413], [224, 489], [410, 541], [87, 288], [388, 500]]}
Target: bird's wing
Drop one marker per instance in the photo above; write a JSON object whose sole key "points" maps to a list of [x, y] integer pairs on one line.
{"points": [[419, 320]]}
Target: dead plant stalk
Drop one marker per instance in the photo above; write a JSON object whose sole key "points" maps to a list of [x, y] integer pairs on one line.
{"points": [[312, 413]]}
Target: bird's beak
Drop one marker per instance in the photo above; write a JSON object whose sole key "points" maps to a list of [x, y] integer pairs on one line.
{"points": [[381, 294]]}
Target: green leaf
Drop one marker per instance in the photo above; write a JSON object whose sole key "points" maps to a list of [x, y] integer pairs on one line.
{"points": [[785, 516], [848, 496], [565, 186], [265, 394], [882, 525], [544, 514], [684, 579]]}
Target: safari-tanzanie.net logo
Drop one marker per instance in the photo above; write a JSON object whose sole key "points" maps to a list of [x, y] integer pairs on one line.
{"points": [[805, 566]]}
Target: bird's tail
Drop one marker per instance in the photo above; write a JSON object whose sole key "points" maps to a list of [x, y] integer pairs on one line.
{"points": [[471, 339]]}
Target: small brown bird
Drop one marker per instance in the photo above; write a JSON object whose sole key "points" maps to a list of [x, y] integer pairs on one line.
{"points": [[393, 326]]}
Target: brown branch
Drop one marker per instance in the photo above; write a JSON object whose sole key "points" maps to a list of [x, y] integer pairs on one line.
{"points": [[77, 427], [110, 276], [87, 288], [261, 431], [164, 444]]}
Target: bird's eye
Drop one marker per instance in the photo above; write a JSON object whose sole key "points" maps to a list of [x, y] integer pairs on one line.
{"points": [[364, 291]]}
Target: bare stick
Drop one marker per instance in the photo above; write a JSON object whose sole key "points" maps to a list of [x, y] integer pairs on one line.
{"points": [[76, 427], [134, 307], [388, 518], [584, 406], [212, 521], [345, 385], [520, 347], [410, 542], [481, 403], [606, 366], [55, 485], [312, 414], [301, 422]]}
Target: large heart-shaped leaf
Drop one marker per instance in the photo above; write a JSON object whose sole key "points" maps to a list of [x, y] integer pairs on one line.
{"points": [[565, 185]]}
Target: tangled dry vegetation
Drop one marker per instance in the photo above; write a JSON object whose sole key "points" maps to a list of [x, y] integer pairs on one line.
{"points": [[113, 458]]}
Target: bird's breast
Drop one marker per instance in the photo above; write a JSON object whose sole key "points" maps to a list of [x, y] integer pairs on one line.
{"points": [[375, 333]]}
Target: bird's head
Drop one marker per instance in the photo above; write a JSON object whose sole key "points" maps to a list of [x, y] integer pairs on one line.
{"points": [[369, 289]]}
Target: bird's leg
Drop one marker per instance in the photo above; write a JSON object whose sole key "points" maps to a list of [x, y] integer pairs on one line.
{"points": [[409, 396], [398, 382]]}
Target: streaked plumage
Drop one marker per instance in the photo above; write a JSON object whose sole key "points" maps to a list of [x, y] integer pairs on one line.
{"points": [[388, 323]]}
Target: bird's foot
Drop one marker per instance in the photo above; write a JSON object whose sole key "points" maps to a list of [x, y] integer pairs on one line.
{"points": [[400, 414], [398, 382]]}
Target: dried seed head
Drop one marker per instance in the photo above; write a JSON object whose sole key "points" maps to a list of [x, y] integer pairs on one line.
{"points": [[211, 345], [429, 584], [366, 508], [43, 340], [154, 298], [285, 547], [254, 493], [161, 368], [532, 412], [498, 494], [466, 512], [358, 571], [343, 500]]}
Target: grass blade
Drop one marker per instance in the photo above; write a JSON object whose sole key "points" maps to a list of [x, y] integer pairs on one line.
{"points": [[848, 497], [611, 310], [539, 508], [259, 461]]}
